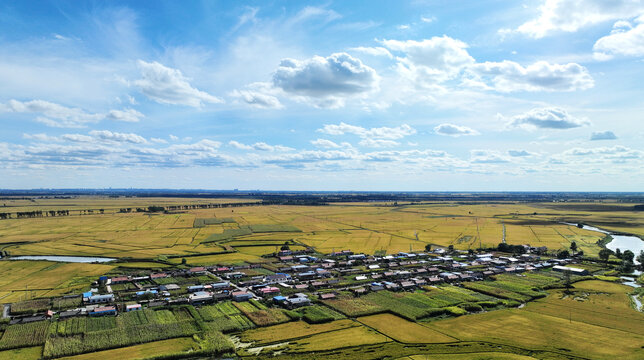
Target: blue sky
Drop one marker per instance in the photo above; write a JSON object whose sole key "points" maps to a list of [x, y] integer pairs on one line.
{"points": [[352, 95]]}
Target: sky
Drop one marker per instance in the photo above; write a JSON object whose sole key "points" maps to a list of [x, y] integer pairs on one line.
{"points": [[435, 95]]}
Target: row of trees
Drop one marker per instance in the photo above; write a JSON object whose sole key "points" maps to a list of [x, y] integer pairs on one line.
{"points": [[627, 258]]}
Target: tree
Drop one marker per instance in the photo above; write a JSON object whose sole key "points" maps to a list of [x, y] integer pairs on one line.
{"points": [[428, 247], [563, 254], [628, 256], [573, 247], [618, 253], [626, 267], [450, 248], [604, 254], [184, 261], [285, 247], [640, 259]]}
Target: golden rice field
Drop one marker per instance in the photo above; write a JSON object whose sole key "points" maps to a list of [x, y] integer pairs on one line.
{"points": [[23, 280], [364, 228]]}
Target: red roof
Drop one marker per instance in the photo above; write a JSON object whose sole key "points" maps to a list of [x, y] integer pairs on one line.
{"points": [[159, 275], [197, 269]]}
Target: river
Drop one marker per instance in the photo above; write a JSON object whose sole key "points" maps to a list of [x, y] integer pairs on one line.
{"points": [[621, 242]]}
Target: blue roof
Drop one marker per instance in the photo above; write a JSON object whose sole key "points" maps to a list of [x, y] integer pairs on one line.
{"points": [[279, 298], [87, 294]]}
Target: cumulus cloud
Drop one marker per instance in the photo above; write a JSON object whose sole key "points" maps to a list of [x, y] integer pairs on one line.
{"points": [[118, 137], [487, 157], [603, 135], [509, 76], [454, 130], [373, 51], [127, 115], [614, 153], [626, 39], [325, 81], [571, 15], [56, 115], [259, 146], [258, 99], [326, 144], [547, 118], [431, 60], [520, 153], [52, 114], [168, 86], [390, 133], [378, 143]]}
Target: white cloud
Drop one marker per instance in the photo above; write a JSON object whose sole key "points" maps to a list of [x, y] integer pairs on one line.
{"points": [[168, 86], [391, 133], [78, 138], [127, 115], [378, 143], [430, 61], [158, 141], [373, 51], [615, 153], [487, 157], [259, 146], [603, 135], [624, 40], [258, 95], [54, 114], [118, 137], [508, 76], [325, 82], [173, 137], [403, 27], [547, 118], [454, 130], [427, 19], [571, 15], [520, 153], [326, 144]]}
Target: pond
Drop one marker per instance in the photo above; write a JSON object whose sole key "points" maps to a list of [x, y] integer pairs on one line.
{"points": [[72, 259]]}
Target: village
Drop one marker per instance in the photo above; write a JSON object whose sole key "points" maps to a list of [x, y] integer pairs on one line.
{"points": [[293, 279]]}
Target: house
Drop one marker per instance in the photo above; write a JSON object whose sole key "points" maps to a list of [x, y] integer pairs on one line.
{"points": [[269, 290], [376, 286], [170, 287], [119, 280], [327, 296], [279, 299], [132, 307], [69, 313], [241, 296], [359, 291], [195, 288], [101, 311], [221, 295], [220, 285], [158, 276], [572, 270], [98, 299], [199, 270], [297, 301], [200, 297], [277, 278]]}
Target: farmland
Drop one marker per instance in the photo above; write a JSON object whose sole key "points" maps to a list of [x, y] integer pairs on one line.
{"points": [[475, 319]]}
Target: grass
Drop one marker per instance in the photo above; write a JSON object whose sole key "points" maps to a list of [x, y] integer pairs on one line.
{"points": [[29, 353], [404, 331], [547, 325], [472, 356], [353, 307], [292, 330], [354, 336], [143, 351]]}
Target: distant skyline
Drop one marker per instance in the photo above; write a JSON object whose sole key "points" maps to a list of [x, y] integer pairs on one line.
{"points": [[330, 95]]}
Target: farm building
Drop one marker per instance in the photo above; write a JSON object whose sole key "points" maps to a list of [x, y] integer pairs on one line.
{"points": [[105, 310], [572, 270], [132, 307], [220, 285], [200, 297], [98, 299], [242, 296], [119, 280]]}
